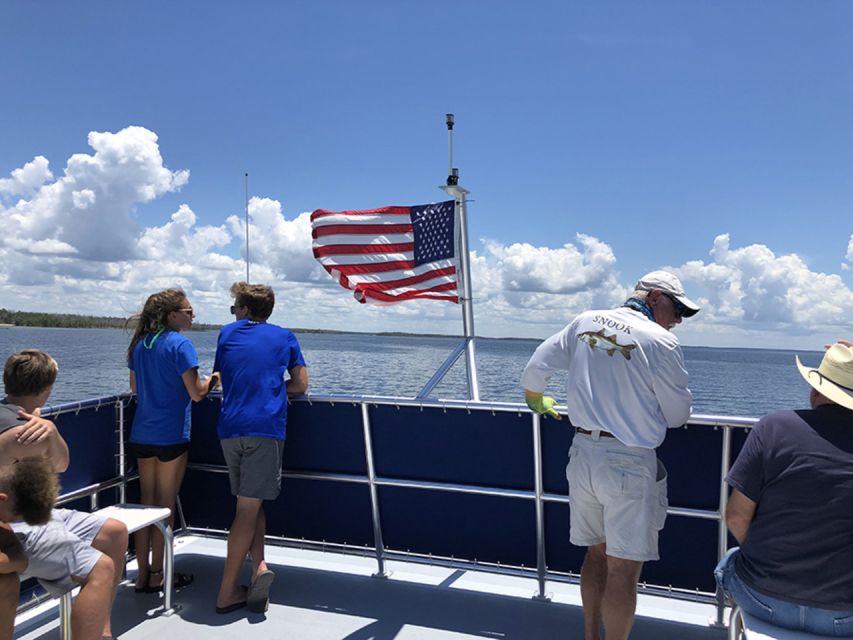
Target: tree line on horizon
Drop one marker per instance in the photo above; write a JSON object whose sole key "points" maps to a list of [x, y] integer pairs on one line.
{"points": [[74, 321]]}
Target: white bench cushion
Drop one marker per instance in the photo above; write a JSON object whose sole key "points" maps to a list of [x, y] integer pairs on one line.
{"points": [[135, 516]]}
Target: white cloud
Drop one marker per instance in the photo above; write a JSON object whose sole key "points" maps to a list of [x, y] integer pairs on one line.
{"points": [[180, 240], [565, 270], [89, 207], [27, 179], [83, 199], [753, 288], [282, 245], [72, 244], [849, 257]]}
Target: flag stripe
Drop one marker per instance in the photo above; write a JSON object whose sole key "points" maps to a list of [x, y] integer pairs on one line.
{"points": [[385, 297], [348, 249], [360, 229], [391, 211], [359, 278], [443, 274], [350, 269], [373, 218], [405, 259], [340, 238]]}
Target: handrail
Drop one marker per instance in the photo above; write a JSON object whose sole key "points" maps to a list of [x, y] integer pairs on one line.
{"points": [[718, 422], [77, 407], [696, 419]]}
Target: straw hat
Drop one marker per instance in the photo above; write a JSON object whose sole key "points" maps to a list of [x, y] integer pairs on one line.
{"points": [[833, 379]]}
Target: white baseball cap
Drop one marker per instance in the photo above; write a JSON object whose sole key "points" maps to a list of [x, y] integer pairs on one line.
{"points": [[670, 285]]}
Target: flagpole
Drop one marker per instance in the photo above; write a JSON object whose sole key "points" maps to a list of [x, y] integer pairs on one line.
{"points": [[247, 227], [459, 195]]}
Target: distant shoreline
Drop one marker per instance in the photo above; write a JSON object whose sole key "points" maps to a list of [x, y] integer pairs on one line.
{"points": [[33, 320]]}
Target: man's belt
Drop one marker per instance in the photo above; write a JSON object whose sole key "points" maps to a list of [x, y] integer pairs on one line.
{"points": [[601, 434]]}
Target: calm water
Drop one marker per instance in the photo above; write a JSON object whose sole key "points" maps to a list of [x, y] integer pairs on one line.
{"points": [[745, 382]]}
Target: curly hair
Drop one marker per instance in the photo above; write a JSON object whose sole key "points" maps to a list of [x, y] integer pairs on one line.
{"points": [[258, 298], [154, 313], [33, 487], [29, 372]]}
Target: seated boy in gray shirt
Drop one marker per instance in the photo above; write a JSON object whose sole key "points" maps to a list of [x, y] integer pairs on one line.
{"points": [[28, 491], [73, 547]]}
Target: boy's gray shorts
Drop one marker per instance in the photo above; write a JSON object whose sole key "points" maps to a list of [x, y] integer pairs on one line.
{"points": [[254, 466], [60, 549]]}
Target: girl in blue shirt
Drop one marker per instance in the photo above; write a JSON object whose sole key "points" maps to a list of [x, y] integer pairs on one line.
{"points": [[164, 376]]}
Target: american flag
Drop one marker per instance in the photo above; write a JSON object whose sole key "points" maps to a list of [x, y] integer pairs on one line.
{"points": [[390, 254]]}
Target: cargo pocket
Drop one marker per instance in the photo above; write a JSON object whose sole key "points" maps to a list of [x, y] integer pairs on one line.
{"points": [[569, 467], [628, 473], [662, 498]]}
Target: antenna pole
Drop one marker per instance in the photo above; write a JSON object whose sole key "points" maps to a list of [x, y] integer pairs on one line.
{"points": [[247, 227], [459, 195], [452, 174]]}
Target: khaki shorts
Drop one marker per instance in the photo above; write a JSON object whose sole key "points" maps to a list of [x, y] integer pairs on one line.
{"points": [[618, 497], [60, 549], [254, 466]]}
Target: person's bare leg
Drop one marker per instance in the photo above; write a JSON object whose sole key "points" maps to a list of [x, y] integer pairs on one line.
{"points": [[10, 590], [620, 597], [112, 540], [169, 477], [593, 582], [257, 549], [142, 538], [90, 611], [240, 538]]}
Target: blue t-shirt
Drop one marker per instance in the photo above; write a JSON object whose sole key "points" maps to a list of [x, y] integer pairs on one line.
{"points": [[163, 403], [252, 358], [798, 467]]}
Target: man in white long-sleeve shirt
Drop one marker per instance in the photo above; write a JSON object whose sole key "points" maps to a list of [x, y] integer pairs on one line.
{"points": [[627, 385]]}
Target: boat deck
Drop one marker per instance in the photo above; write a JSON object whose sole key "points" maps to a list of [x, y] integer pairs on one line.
{"points": [[329, 596]]}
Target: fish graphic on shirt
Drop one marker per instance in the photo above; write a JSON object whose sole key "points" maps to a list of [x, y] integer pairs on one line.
{"points": [[598, 340]]}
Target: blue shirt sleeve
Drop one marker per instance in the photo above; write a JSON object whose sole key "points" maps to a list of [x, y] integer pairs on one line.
{"points": [[747, 473], [185, 357], [296, 358], [216, 364]]}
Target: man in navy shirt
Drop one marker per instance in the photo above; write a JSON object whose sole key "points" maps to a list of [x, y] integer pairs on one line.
{"points": [[252, 356], [791, 509]]}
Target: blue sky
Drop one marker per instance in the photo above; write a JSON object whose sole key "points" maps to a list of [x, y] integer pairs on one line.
{"points": [[712, 138]]}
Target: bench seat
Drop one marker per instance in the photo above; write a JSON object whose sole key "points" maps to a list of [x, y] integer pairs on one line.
{"points": [[134, 517]]}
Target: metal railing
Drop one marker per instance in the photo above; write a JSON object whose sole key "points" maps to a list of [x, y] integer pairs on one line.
{"points": [[538, 495]]}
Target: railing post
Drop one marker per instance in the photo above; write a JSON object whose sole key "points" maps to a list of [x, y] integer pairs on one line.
{"points": [[374, 494], [122, 462], [540, 507], [65, 602], [722, 531]]}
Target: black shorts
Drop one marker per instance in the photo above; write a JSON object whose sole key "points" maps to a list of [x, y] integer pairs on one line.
{"points": [[163, 452]]}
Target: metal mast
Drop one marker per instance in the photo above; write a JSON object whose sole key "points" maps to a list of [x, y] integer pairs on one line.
{"points": [[247, 227], [460, 196]]}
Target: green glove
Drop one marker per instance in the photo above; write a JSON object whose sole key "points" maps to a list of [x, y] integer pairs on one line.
{"points": [[542, 404]]}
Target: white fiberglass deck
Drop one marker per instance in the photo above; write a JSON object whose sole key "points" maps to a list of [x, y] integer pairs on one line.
{"points": [[326, 596]]}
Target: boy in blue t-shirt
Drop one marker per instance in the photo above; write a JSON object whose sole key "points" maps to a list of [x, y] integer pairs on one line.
{"points": [[252, 357]]}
